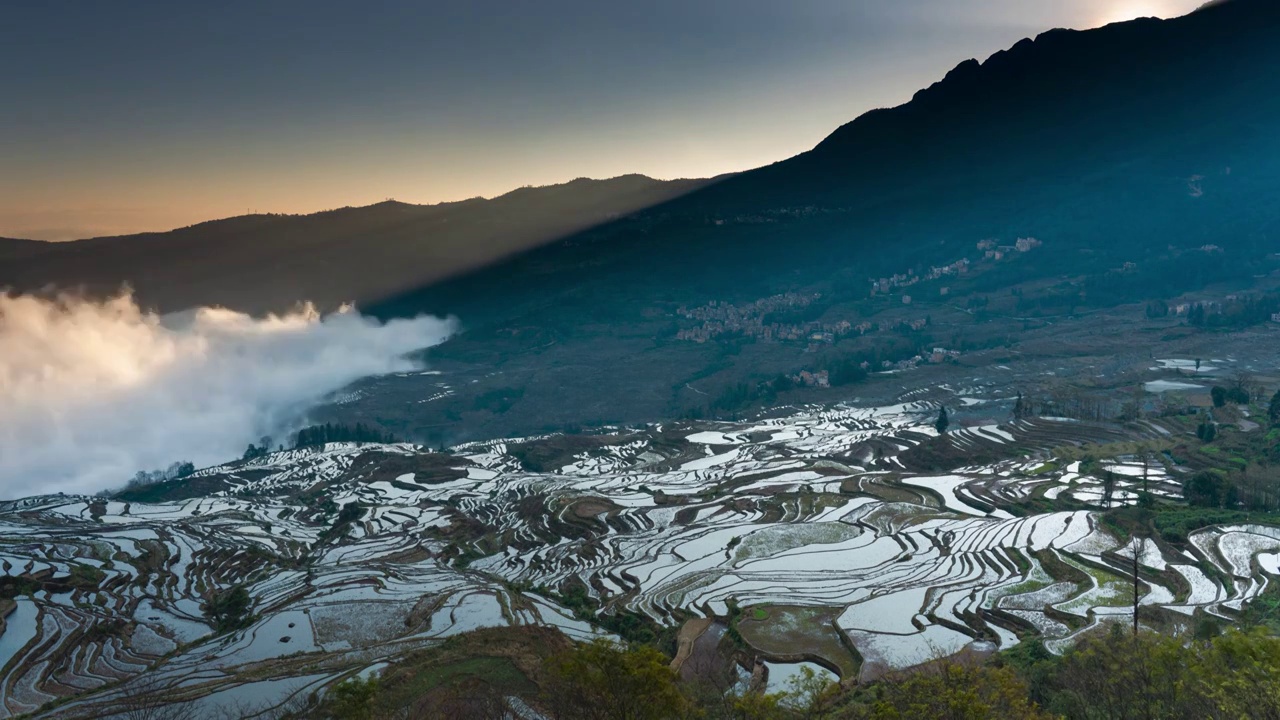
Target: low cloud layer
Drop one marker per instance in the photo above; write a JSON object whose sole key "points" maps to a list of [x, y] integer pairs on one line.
{"points": [[91, 392]]}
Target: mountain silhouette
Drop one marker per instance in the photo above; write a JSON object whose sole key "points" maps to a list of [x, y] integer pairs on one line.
{"points": [[1112, 145], [15, 248], [271, 262]]}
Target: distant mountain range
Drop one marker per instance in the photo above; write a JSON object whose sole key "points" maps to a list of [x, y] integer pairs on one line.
{"points": [[270, 262], [14, 248], [1123, 144]]}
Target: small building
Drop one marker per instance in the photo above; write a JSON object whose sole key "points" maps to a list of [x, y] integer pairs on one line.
{"points": [[820, 378]]}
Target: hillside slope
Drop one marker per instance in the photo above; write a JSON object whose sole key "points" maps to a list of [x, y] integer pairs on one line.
{"points": [[1110, 145], [1142, 156], [270, 262]]}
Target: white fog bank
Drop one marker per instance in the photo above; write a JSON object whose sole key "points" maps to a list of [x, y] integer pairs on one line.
{"points": [[91, 392]]}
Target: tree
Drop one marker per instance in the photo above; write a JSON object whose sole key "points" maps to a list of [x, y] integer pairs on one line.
{"points": [[1274, 411], [847, 371], [810, 694], [1019, 408], [1196, 315], [353, 699], [173, 472], [1118, 676], [783, 383], [327, 433], [1208, 489], [956, 692], [603, 680], [1108, 488], [1207, 430], [1113, 675], [943, 421], [1139, 547], [1219, 395], [229, 609], [1240, 675], [756, 706]]}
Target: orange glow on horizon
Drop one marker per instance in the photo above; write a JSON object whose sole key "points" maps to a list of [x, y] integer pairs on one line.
{"points": [[1125, 10]]}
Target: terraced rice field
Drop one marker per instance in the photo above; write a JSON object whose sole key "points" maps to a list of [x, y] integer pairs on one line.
{"points": [[833, 533]]}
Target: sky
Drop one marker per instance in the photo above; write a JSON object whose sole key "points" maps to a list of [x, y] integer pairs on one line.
{"points": [[119, 117]]}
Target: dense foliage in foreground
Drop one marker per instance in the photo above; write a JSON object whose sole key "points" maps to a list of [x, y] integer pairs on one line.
{"points": [[1114, 676]]}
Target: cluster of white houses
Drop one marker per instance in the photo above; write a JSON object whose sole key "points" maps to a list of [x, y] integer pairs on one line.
{"points": [[991, 249]]}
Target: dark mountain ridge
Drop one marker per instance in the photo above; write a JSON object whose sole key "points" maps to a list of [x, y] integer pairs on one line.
{"points": [[13, 247], [271, 262], [1112, 143]]}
